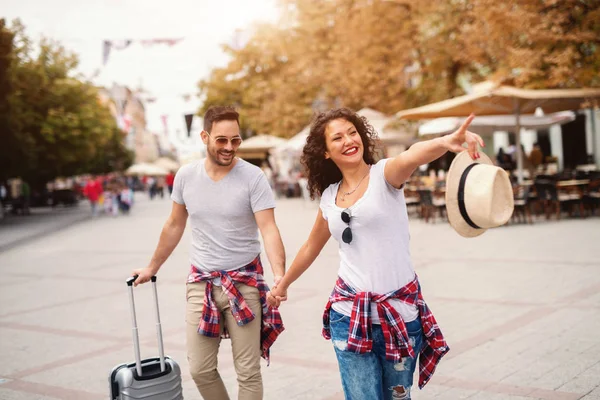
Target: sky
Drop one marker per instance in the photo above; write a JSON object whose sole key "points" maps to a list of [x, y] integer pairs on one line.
{"points": [[165, 72]]}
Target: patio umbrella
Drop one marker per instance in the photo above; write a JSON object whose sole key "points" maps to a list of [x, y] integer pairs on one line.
{"points": [[493, 99], [258, 146], [491, 124], [380, 122], [167, 163], [295, 143], [146, 169], [286, 155]]}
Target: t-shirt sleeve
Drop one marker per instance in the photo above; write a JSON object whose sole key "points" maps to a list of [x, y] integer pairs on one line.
{"points": [[381, 171], [325, 198], [261, 195], [177, 195]]}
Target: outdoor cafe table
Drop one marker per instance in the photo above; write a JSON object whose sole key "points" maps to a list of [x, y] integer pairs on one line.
{"points": [[562, 184], [572, 182]]}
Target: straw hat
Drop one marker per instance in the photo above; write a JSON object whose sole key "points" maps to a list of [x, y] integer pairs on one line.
{"points": [[479, 195]]}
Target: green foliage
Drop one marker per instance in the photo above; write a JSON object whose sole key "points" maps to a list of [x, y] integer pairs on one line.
{"points": [[56, 124]]}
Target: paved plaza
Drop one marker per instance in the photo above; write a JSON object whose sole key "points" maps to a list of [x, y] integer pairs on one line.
{"points": [[520, 308]]}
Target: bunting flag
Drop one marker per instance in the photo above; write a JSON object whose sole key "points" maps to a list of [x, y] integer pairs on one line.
{"points": [[94, 74], [116, 44], [164, 121], [152, 42], [124, 122], [105, 51], [189, 118], [108, 45], [127, 123]]}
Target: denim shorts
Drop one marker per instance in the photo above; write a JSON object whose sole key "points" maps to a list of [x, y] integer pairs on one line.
{"points": [[370, 376]]}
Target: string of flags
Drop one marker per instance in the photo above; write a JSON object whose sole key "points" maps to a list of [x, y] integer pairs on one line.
{"points": [[109, 45], [189, 119], [124, 121]]}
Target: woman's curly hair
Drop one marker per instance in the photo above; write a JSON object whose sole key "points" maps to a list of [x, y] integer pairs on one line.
{"points": [[321, 171]]}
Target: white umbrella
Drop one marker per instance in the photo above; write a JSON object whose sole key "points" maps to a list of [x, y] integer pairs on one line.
{"points": [[296, 142], [490, 124], [262, 142], [258, 146], [494, 99], [146, 169], [167, 163], [379, 121]]}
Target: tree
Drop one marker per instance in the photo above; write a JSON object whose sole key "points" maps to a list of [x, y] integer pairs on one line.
{"points": [[111, 156], [395, 54], [56, 122], [560, 47], [11, 148], [263, 82]]}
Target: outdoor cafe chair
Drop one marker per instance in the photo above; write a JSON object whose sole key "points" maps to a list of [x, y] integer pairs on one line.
{"points": [[522, 203], [431, 204], [591, 197], [547, 197], [412, 200]]}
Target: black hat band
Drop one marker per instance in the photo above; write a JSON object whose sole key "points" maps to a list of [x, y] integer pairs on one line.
{"points": [[461, 197]]}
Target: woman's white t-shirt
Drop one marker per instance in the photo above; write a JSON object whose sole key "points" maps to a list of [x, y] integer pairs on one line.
{"points": [[378, 258]]}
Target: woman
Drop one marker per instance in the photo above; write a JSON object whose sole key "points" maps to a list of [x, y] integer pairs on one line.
{"points": [[376, 316]]}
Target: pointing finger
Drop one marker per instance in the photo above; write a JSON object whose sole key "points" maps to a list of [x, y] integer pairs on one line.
{"points": [[467, 122]]}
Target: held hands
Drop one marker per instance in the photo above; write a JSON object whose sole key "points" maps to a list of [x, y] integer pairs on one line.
{"points": [[277, 294], [454, 141], [144, 275]]}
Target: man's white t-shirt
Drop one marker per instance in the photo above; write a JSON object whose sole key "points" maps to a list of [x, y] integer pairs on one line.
{"points": [[224, 229], [378, 258]]}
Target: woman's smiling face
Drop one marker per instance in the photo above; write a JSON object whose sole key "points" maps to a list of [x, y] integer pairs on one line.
{"points": [[343, 142]]}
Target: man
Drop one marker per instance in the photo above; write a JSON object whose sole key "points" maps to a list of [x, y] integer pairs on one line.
{"points": [[536, 156], [227, 199]]}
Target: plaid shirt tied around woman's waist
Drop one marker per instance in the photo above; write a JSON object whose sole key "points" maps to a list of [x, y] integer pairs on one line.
{"points": [[393, 326], [251, 275]]}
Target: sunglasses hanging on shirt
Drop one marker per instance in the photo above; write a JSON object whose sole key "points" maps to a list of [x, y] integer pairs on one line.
{"points": [[347, 234]]}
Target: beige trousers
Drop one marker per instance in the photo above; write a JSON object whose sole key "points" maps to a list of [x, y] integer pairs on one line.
{"points": [[245, 342]]}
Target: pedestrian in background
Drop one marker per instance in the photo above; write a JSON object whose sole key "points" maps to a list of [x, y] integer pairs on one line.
{"points": [[170, 180], [125, 198], [93, 191]]}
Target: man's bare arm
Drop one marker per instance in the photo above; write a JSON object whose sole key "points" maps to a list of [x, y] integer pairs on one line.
{"points": [[265, 220], [169, 238]]}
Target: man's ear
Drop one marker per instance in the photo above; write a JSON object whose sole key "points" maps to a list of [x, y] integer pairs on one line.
{"points": [[204, 136]]}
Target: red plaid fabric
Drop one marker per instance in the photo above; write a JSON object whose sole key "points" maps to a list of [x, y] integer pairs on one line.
{"points": [[251, 275], [392, 325]]}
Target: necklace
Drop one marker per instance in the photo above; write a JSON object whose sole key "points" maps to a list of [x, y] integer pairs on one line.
{"points": [[344, 194]]}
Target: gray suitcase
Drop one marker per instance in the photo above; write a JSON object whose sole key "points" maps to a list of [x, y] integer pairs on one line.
{"points": [[149, 379]]}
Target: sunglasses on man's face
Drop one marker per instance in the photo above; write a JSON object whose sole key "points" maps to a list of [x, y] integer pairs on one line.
{"points": [[347, 234], [222, 140]]}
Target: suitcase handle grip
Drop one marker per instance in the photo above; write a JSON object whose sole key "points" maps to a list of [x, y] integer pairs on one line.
{"points": [[153, 370], [132, 279]]}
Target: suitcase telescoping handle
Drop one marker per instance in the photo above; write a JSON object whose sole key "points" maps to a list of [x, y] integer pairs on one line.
{"points": [[136, 339]]}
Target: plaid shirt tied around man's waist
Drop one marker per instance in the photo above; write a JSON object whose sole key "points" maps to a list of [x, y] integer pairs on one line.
{"points": [[251, 275], [393, 326]]}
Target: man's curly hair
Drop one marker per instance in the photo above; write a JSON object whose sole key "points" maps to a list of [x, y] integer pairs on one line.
{"points": [[322, 172]]}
